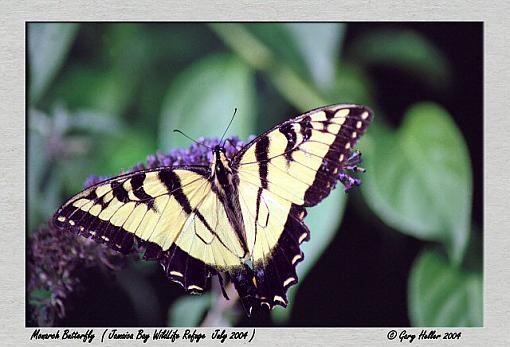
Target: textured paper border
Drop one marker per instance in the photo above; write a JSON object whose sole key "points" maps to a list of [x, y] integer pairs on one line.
{"points": [[496, 146]]}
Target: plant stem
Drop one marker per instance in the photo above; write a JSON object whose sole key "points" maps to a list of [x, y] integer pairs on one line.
{"points": [[216, 313], [290, 85]]}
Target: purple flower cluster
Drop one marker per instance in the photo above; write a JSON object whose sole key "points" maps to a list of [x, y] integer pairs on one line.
{"points": [[56, 261]]}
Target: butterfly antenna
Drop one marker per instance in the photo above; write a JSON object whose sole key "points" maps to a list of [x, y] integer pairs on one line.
{"points": [[228, 126], [186, 136]]}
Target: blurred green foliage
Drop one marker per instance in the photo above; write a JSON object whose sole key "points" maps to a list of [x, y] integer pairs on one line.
{"points": [[104, 96]]}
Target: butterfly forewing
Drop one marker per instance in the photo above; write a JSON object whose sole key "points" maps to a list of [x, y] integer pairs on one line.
{"points": [[300, 159]]}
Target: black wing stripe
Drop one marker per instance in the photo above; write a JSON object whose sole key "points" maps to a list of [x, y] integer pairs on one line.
{"points": [[257, 210], [119, 192], [261, 149], [138, 190], [288, 131], [173, 184]]}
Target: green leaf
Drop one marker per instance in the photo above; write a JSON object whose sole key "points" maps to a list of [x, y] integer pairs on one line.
{"points": [[48, 44], [443, 295], [319, 45], [418, 179], [202, 99], [187, 311], [323, 222], [404, 50]]}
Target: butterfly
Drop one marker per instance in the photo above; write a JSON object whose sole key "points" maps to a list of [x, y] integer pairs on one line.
{"points": [[241, 215]]}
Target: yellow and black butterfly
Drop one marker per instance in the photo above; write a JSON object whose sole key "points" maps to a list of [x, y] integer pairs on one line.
{"points": [[242, 216]]}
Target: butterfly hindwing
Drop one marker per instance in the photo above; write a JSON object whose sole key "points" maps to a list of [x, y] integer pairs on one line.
{"points": [[292, 166]]}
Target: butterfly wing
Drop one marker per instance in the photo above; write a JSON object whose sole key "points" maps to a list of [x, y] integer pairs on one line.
{"points": [[174, 213], [292, 166]]}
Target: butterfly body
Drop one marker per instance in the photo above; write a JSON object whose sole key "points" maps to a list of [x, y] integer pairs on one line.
{"points": [[226, 185], [241, 214]]}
